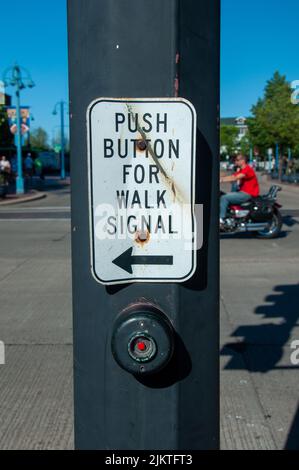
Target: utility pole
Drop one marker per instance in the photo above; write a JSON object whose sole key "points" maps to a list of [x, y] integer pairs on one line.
{"points": [[270, 155], [20, 180], [61, 105], [251, 155], [145, 118], [277, 157]]}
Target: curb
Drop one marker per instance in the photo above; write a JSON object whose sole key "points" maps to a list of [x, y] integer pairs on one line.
{"points": [[290, 186], [34, 196]]}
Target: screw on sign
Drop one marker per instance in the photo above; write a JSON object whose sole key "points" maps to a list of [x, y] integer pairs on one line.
{"points": [[142, 186]]}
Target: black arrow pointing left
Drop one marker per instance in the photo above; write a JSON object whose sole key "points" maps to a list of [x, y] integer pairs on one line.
{"points": [[126, 260]]}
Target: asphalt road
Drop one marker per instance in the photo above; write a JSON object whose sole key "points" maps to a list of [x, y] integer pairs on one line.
{"points": [[259, 319]]}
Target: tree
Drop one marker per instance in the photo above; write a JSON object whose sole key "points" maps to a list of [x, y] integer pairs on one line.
{"points": [[39, 139], [246, 144], [228, 139], [275, 119]]}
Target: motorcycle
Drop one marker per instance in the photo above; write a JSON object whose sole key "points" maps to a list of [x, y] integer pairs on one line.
{"points": [[260, 215]]}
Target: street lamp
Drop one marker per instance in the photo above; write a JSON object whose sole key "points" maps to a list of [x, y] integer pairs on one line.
{"points": [[20, 78], [61, 105]]}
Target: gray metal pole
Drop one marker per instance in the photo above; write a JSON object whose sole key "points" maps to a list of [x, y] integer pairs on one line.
{"points": [[62, 163], [146, 49]]}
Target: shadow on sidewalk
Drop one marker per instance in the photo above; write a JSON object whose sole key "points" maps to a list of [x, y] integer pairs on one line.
{"points": [[289, 220], [262, 346], [293, 437]]}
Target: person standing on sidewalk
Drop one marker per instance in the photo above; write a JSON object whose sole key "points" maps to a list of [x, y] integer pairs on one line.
{"points": [[5, 165], [247, 180], [39, 169], [5, 169], [28, 163]]}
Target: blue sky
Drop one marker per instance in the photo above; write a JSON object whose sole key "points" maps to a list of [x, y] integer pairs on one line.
{"points": [[40, 46], [258, 37]]}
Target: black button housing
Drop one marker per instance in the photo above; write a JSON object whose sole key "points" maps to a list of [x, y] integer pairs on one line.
{"points": [[146, 324]]}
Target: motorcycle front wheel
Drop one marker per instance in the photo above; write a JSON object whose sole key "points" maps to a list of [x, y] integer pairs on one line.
{"points": [[274, 228]]}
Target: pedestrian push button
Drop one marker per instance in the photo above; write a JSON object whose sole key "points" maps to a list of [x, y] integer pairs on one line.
{"points": [[142, 347], [142, 339]]}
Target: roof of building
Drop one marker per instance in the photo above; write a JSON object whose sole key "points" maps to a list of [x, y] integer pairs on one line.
{"points": [[231, 121]]}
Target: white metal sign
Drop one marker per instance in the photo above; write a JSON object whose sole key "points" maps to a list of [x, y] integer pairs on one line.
{"points": [[142, 190]]}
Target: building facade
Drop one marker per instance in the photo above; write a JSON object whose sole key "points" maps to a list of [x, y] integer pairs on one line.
{"points": [[239, 123]]}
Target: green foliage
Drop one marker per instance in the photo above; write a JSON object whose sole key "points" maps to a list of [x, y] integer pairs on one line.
{"points": [[39, 139], [56, 144], [228, 139], [245, 144], [275, 119]]}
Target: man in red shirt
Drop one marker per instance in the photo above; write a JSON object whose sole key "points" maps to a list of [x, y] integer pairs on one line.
{"points": [[246, 178]]}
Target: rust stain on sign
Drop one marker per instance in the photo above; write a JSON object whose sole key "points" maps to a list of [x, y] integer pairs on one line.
{"points": [[142, 237], [178, 197]]}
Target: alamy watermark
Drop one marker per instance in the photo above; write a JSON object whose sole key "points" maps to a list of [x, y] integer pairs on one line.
{"points": [[295, 93], [2, 353], [155, 222], [295, 354]]}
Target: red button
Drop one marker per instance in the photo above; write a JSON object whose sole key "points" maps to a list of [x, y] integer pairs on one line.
{"points": [[141, 346]]}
